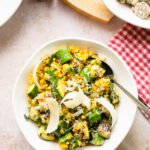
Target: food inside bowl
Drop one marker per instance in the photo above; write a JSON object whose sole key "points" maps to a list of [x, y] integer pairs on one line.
{"points": [[141, 8], [71, 98]]}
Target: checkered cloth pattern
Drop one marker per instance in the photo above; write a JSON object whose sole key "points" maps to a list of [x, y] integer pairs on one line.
{"points": [[133, 45]]}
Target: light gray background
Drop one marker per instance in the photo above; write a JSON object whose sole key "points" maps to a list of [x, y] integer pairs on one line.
{"points": [[33, 24]]}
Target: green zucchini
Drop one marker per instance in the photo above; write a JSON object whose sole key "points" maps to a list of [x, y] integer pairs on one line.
{"points": [[66, 137], [32, 90], [97, 139], [61, 88], [86, 74], [42, 134], [94, 116], [63, 55]]}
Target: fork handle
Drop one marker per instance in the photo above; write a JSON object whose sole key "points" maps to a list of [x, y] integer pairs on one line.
{"points": [[140, 104]]}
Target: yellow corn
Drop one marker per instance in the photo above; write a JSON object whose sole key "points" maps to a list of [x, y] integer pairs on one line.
{"points": [[63, 146]]}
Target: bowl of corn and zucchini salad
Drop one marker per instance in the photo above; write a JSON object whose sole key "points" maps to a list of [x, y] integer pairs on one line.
{"points": [[74, 80], [67, 101]]}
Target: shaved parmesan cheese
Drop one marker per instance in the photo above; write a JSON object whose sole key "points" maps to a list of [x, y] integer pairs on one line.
{"points": [[85, 99], [72, 83], [76, 98], [79, 112], [69, 88], [76, 101], [54, 115], [69, 96], [95, 67], [109, 107], [35, 74]]}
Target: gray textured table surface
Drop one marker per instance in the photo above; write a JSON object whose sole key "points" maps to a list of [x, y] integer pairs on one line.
{"points": [[33, 24]]}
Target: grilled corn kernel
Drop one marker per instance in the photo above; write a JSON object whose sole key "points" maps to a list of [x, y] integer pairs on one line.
{"points": [[62, 131], [30, 79], [77, 127], [67, 121], [42, 81], [91, 53], [46, 68], [63, 146], [93, 104], [83, 117], [103, 82], [34, 102], [71, 48]]}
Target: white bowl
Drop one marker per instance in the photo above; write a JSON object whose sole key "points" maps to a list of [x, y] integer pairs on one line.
{"points": [[125, 13], [126, 109], [7, 9]]}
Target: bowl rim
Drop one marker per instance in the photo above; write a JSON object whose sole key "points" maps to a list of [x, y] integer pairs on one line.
{"points": [[123, 18], [10, 15], [66, 39]]}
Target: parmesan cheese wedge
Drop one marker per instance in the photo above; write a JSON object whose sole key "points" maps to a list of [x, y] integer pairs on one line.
{"points": [[92, 8]]}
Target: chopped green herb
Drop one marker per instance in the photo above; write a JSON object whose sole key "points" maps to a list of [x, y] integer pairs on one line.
{"points": [[26, 117]]}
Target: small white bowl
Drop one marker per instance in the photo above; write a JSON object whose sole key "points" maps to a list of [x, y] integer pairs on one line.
{"points": [[126, 109], [125, 13], [7, 9]]}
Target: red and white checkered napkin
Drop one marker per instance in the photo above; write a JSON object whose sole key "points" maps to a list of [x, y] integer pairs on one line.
{"points": [[133, 45]]}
